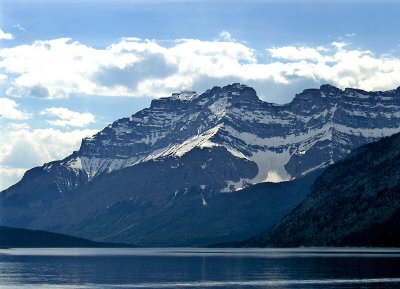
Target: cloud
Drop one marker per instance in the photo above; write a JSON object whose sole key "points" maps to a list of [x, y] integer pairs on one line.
{"points": [[17, 126], [68, 118], [9, 109], [349, 35], [153, 66], [5, 36], [226, 36], [9, 176], [133, 67], [339, 65], [19, 27], [297, 53], [22, 148]]}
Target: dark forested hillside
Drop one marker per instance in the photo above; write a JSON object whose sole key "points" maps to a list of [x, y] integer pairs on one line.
{"points": [[355, 202]]}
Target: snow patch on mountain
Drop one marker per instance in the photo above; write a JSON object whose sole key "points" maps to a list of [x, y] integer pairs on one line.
{"points": [[271, 166], [219, 108], [232, 186], [75, 164], [200, 141], [184, 95], [367, 132]]}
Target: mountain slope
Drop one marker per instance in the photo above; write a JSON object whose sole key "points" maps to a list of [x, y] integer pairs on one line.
{"points": [[218, 142], [196, 218], [355, 202]]}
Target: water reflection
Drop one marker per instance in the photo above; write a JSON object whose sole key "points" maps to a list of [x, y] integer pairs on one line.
{"points": [[199, 268]]}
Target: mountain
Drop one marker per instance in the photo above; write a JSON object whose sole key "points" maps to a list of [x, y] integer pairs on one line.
{"points": [[355, 202], [194, 217], [141, 167], [23, 238]]}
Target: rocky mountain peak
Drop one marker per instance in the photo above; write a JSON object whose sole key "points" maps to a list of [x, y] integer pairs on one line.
{"points": [[329, 89], [238, 94], [315, 94], [237, 91]]}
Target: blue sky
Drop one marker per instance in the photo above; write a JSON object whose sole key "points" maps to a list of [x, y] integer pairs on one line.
{"points": [[260, 23], [68, 68]]}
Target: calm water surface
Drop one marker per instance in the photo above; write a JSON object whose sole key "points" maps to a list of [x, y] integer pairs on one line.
{"points": [[200, 268]]}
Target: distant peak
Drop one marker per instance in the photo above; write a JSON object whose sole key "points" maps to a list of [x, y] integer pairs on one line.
{"points": [[240, 92], [325, 90], [349, 89], [330, 88], [236, 86]]}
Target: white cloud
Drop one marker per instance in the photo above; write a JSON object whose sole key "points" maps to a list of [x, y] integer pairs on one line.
{"points": [[341, 66], [22, 148], [27, 148], [67, 118], [349, 35], [19, 27], [9, 176], [5, 36], [3, 77], [9, 109], [134, 67], [296, 53], [17, 126], [131, 67], [226, 36]]}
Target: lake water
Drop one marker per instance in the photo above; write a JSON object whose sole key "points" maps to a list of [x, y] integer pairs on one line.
{"points": [[200, 268]]}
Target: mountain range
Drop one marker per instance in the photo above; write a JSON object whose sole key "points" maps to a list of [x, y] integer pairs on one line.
{"points": [[198, 169]]}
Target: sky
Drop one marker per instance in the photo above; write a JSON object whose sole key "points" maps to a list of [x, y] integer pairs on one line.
{"points": [[69, 68]]}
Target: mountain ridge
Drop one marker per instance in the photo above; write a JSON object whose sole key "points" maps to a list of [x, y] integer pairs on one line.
{"points": [[221, 141], [88, 165]]}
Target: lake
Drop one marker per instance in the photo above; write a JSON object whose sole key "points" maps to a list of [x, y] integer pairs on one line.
{"points": [[200, 268]]}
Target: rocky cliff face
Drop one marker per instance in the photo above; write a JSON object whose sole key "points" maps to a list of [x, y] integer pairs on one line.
{"points": [[220, 141]]}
